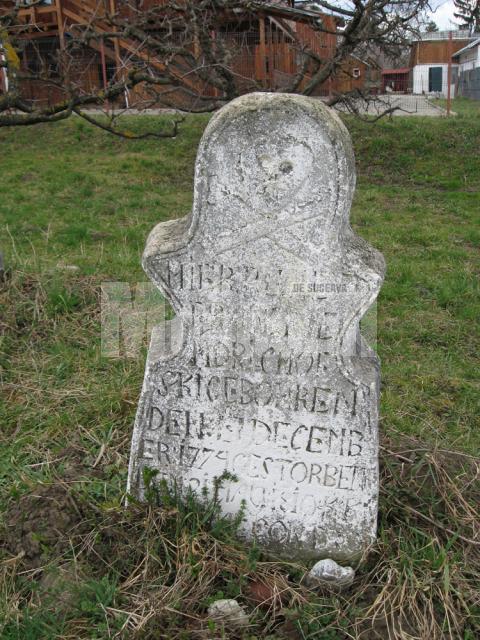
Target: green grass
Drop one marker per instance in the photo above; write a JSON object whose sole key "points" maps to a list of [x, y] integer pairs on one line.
{"points": [[76, 206], [418, 201], [462, 106], [74, 196]]}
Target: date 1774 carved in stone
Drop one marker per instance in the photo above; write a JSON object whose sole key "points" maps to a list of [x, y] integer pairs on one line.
{"points": [[264, 372]]}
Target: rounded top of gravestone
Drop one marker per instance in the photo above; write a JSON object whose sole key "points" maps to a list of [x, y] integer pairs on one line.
{"points": [[273, 160]]}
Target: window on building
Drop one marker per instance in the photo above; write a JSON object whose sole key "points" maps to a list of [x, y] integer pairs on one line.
{"points": [[356, 72]]}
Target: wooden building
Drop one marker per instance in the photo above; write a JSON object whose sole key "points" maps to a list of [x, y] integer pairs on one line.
{"points": [[264, 47], [357, 74], [396, 80], [430, 57]]}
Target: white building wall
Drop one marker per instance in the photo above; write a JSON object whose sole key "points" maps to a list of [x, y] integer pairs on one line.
{"points": [[469, 60], [421, 78], [466, 66]]}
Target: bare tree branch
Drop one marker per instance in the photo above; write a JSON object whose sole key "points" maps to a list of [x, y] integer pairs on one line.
{"points": [[191, 55]]}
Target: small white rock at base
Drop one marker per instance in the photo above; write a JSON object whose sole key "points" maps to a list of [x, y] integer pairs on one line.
{"points": [[329, 573], [229, 612], [67, 267]]}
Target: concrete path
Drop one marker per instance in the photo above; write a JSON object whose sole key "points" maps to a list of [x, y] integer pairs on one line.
{"points": [[407, 105]]}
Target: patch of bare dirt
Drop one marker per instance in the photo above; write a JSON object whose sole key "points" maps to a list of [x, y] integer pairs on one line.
{"points": [[39, 524]]}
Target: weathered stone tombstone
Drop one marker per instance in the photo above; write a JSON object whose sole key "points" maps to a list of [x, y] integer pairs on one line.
{"points": [[269, 377]]}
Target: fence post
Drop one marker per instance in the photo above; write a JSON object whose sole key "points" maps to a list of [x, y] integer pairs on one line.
{"points": [[263, 49], [449, 74]]}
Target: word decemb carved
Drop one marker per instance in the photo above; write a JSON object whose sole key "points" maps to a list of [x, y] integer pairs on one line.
{"points": [[263, 372]]}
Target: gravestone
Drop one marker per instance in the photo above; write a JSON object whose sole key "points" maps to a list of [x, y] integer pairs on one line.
{"points": [[263, 372]]}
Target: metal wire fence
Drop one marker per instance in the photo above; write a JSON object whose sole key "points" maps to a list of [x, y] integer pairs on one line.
{"points": [[469, 84]]}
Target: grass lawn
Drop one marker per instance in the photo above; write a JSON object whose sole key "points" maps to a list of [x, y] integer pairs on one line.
{"points": [[463, 107], [76, 205]]}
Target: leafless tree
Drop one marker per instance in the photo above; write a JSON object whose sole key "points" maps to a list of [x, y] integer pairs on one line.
{"points": [[467, 12], [188, 55]]}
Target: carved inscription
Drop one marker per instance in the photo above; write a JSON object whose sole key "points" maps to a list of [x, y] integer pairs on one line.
{"points": [[271, 379], [238, 390]]}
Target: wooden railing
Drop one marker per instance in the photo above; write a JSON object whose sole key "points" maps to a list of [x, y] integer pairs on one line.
{"points": [[38, 19], [262, 61]]}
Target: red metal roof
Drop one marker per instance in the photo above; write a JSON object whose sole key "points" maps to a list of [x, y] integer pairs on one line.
{"points": [[402, 70]]}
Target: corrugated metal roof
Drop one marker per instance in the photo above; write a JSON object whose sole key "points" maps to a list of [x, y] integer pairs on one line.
{"points": [[471, 45], [401, 70]]}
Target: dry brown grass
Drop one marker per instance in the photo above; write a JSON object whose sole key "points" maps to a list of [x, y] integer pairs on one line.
{"points": [[419, 581]]}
